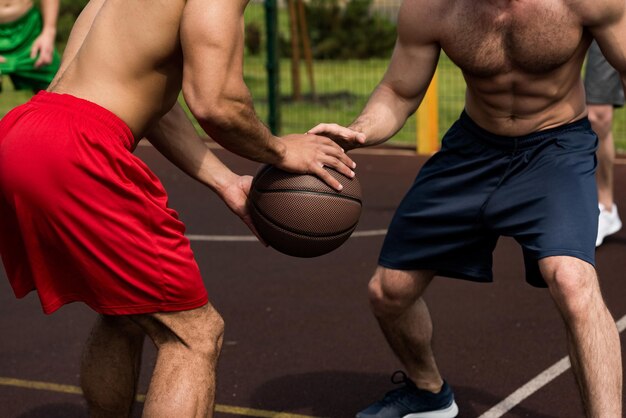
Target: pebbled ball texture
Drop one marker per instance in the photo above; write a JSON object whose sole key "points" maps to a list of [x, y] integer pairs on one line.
{"points": [[299, 214]]}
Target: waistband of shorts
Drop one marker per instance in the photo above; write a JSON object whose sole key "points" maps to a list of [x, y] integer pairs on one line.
{"points": [[87, 110], [33, 11], [524, 141]]}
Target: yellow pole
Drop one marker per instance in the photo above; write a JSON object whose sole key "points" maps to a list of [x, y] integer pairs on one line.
{"points": [[428, 120]]}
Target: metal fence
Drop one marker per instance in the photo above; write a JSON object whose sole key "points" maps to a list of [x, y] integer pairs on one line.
{"points": [[339, 87]]}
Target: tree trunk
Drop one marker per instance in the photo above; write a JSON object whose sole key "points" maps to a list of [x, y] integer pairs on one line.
{"points": [[295, 51], [306, 46]]}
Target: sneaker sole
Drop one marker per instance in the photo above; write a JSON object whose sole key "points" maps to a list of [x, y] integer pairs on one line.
{"points": [[614, 229], [450, 412]]}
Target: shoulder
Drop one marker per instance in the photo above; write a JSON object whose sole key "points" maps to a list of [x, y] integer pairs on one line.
{"points": [[422, 19], [597, 12]]}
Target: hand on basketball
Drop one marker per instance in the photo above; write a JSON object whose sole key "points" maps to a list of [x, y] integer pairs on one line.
{"points": [[308, 154], [346, 138], [236, 196]]}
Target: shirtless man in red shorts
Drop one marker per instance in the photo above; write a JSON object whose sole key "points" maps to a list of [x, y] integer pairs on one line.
{"points": [[82, 219], [519, 162]]}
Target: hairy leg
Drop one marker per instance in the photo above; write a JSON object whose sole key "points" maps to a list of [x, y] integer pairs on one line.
{"points": [[188, 344], [110, 367], [593, 340], [601, 118], [396, 301]]}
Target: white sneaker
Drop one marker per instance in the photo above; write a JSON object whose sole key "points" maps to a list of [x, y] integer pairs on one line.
{"points": [[608, 223]]}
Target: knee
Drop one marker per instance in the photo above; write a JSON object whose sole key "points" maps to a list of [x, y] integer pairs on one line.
{"points": [[207, 341], [573, 285], [198, 333], [389, 296]]}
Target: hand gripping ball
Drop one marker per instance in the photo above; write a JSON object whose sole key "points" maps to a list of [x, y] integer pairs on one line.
{"points": [[299, 214]]}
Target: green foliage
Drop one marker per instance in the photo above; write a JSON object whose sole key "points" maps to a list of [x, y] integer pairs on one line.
{"points": [[350, 31]]}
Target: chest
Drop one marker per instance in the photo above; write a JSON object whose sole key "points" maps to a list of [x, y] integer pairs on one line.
{"points": [[492, 37]]}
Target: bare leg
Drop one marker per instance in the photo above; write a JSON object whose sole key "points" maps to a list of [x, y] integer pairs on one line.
{"points": [[601, 118], [395, 297], [593, 339], [183, 381], [110, 367]]}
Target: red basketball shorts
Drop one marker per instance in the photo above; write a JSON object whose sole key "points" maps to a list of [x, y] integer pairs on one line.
{"points": [[83, 219]]}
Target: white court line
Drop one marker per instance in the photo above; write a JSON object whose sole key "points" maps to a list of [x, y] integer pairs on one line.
{"points": [[513, 399], [537, 383], [370, 233], [252, 238]]}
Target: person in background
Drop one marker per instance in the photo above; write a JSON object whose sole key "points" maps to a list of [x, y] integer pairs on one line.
{"points": [[604, 92], [27, 52]]}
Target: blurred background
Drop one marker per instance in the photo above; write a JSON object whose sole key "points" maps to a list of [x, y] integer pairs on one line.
{"points": [[312, 61]]}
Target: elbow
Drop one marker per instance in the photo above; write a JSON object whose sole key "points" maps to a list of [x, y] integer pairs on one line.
{"points": [[214, 113], [209, 111], [214, 118]]}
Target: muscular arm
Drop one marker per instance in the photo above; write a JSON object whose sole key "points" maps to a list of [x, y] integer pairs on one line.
{"points": [[175, 137], [43, 47], [408, 75], [404, 84], [213, 86], [212, 34], [607, 24]]}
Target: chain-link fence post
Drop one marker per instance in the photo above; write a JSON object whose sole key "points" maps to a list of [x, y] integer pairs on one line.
{"points": [[272, 66]]}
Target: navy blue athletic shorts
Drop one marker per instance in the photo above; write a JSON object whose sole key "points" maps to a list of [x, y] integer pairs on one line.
{"points": [[539, 189]]}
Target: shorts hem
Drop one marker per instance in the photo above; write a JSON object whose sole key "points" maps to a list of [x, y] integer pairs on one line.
{"points": [[127, 310], [539, 254], [605, 101], [454, 272]]}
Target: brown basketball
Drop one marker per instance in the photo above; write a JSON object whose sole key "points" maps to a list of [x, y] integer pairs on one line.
{"points": [[299, 214]]}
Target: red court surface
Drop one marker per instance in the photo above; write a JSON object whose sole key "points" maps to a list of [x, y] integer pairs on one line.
{"points": [[300, 340]]}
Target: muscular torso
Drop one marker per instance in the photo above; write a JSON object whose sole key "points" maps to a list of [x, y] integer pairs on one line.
{"points": [[521, 60], [11, 10], [130, 61]]}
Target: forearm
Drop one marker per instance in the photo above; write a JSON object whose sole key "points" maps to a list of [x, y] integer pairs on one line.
{"points": [[233, 123], [50, 15], [217, 95], [213, 84], [384, 114], [175, 137]]}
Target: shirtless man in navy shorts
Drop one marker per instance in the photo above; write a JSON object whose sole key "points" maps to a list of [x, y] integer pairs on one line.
{"points": [[604, 94], [83, 219], [519, 162]]}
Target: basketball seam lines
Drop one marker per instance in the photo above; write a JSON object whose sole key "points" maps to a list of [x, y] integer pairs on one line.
{"points": [[313, 192], [300, 232]]}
